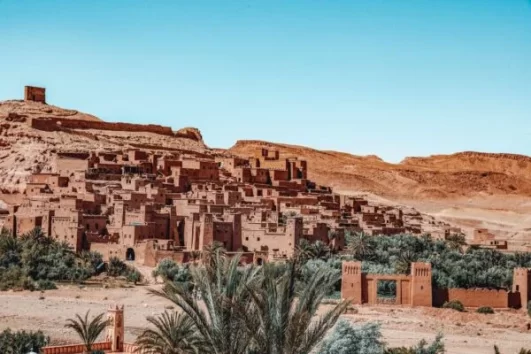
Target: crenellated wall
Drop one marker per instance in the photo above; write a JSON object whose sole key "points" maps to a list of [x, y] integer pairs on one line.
{"points": [[417, 290], [75, 349]]}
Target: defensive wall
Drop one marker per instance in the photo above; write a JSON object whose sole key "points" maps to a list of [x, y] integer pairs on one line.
{"points": [[416, 289], [54, 124], [411, 290], [478, 297]]}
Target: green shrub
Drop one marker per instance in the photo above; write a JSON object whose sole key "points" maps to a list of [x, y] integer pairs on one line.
{"points": [[134, 276], [485, 310], [22, 342], [454, 305], [451, 266], [34, 257], [529, 308], [169, 270], [346, 338], [46, 285], [116, 267]]}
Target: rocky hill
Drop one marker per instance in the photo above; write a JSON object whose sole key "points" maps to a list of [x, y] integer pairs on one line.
{"points": [[442, 176], [31, 133], [470, 189]]}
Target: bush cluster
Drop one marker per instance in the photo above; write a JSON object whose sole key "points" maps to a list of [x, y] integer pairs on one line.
{"points": [[485, 310], [454, 305], [35, 262], [22, 342], [118, 268], [169, 270], [451, 266], [367, 339]]}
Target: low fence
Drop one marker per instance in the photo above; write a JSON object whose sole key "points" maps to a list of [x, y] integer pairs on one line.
{"points": [[75, 349]]}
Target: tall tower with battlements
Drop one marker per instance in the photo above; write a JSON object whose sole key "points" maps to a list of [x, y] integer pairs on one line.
{"points": [[116, 328]]}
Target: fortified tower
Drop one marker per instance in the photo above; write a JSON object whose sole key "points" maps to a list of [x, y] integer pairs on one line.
{"points": [[35, 94], [421, 290], [351, 282], [521, 278], [115, 328]]}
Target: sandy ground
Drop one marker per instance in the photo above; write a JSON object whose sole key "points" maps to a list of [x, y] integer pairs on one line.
{"points": [[464, 332]]}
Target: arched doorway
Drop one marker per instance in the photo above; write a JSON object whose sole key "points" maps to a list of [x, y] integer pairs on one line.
{"points": [[259, 261], [130, 254]]}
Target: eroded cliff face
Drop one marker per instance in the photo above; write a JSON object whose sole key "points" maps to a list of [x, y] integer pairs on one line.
{"points": [[190, 133]]}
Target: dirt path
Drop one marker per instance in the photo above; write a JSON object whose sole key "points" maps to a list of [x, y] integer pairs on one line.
{"points": [[464, 333]]}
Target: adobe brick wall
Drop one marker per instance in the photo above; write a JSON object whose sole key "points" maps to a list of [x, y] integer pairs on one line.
{"points": [[75, 349], [54, 124], [497, 299]]}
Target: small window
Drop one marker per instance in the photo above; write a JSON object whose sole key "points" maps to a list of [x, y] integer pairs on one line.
{"points": [[258, 239]]}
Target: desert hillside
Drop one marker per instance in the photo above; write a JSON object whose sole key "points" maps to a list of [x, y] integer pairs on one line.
{"points": [[467, 189], [443, 176], [25, 149]]}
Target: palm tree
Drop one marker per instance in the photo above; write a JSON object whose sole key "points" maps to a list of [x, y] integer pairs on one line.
{"points": [[304, 250], [360, 246], [173, 333], [88, 330], [403, 265], [456, 242], [282, 320], [320, 250], [223, 288]]}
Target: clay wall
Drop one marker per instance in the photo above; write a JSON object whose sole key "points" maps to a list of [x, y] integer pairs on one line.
{"points": [[177, 256], [165, 165], [298, 201], [278, 241], [66, 166], [55, 124], [75, 349], [411, 290], [65, 227], [497, 299], [33, 189], [279, 175], [273, 164], [260, 176], [26, 223], [94, 222], [482, 235]]}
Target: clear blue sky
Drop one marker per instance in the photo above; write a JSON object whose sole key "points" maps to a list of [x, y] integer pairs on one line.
{"points": [[394, 78]]}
